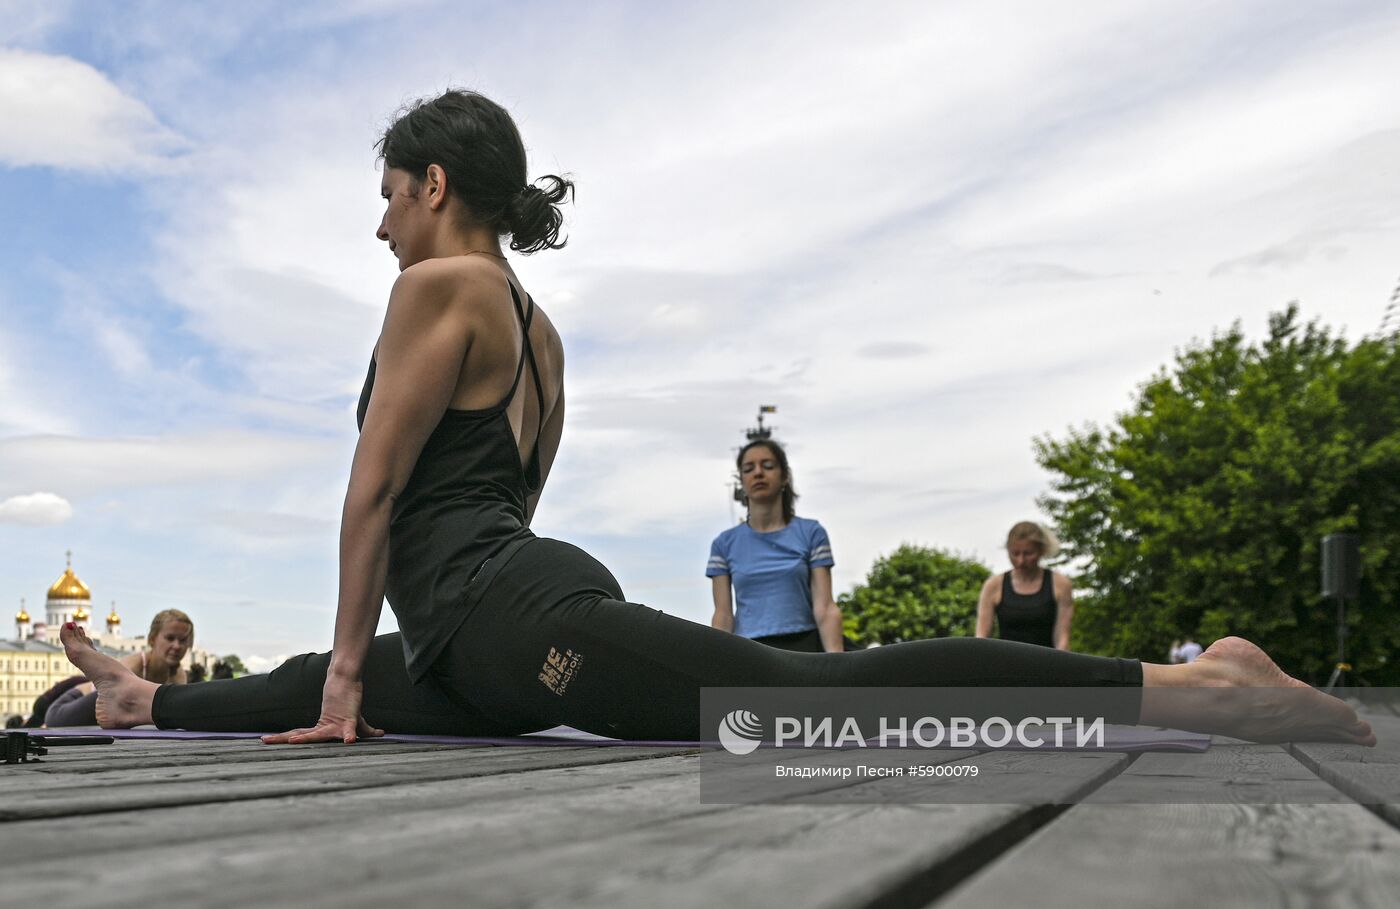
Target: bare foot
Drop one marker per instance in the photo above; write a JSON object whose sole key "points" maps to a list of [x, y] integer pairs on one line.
{"points": [[1235, 689], [123, 699]]}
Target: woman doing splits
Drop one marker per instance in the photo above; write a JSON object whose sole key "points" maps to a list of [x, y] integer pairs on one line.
{"points": [[502, 631], [775, 564]]}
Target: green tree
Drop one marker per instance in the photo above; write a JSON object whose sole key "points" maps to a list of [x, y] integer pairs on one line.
{"points": [[1201, 510], [914, 593], [233, 662]]}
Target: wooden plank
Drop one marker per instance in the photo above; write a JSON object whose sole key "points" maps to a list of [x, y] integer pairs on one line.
{"points": [[190, 826], [1375, 784], [800, 854], [120, 789], [549, 837], [40, 778], [1130, 855], [73, 762], [1369, 775], [1350, 754], [1375, 702], [1226, 773], [282, 844]]}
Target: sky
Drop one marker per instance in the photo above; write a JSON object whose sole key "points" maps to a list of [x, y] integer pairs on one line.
{"points": [[928, 232]]}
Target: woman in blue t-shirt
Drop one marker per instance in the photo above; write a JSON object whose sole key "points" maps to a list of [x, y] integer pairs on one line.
{"points": [[775, 567]]}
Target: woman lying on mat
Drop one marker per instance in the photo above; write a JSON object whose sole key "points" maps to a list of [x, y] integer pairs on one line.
{"points": [[502, 631], [771, 575], [170, 638]]}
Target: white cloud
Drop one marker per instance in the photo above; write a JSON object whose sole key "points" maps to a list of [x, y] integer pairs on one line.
{"points": [[37, 509], [22, 21], [61, 112], [89, 310], [927, 232], [256, 664], [83, 467], [273, 257], [22, 409], [1192, 153], [265, 531]]}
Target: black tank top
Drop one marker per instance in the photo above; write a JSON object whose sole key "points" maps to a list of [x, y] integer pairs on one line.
{"points": [[461, 515], [1028, 617]]}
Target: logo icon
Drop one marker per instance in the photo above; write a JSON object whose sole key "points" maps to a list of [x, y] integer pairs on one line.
{"points": [[740, 732]]}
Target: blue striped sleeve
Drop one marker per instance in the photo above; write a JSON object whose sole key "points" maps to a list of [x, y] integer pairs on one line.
{"points": [[819, 552], [718, 565]]}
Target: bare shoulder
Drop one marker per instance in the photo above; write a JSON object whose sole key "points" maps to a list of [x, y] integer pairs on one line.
{"points": [[465, 279], [992, 585], [1062, 582]]}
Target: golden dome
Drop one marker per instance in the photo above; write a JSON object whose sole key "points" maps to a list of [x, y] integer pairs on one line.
{"points": [[82, 614], [69, 587], [21, 616], [112, 617]]}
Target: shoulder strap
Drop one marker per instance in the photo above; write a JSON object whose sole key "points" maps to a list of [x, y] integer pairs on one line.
{"points": [[527, 352], [525, 346]]}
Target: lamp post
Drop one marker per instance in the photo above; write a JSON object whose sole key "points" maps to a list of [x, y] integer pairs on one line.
{"points": [[757, 433]]}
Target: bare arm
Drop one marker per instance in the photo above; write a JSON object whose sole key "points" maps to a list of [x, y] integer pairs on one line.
{"points": [[987, 607], [426, 335], [723, 594], [1064, 611], [826, 612]]}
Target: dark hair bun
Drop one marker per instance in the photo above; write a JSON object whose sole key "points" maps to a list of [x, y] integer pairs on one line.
{"points": [[533, 216], [475, 142]]}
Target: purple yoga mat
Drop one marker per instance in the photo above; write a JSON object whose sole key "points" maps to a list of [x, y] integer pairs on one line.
{"points": [[1116, 738], [560, 735]]}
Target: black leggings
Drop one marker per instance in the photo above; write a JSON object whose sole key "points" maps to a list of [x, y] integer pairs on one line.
{"points": [[797, 642], [526, 659]]}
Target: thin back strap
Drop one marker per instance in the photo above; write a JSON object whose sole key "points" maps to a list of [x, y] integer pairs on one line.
{"points": [[525, 326], [527, 351]]}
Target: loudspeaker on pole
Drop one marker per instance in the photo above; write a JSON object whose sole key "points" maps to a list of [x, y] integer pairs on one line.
{"points": [[1341, 566]]}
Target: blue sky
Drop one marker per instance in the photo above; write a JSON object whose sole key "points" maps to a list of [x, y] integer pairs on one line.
{"points": [[927, 232]]}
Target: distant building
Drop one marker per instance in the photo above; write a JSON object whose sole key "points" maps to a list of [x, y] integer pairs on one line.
{"points": [[27, 670], [34, 661]]}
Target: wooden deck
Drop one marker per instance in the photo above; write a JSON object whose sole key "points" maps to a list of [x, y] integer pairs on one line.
{"points": [[236, 823]]}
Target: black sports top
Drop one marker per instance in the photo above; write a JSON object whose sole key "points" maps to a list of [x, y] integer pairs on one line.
{"points": [[1028, 617], [461, 515]]}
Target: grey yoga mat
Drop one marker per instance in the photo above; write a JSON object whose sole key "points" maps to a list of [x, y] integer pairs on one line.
{"points": [[1116, 738]]}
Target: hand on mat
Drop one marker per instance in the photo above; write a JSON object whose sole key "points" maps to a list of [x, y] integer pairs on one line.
{"points": [[340, 717]]}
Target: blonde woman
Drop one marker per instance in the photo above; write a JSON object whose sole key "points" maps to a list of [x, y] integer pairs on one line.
{"points": [[170, 638], [1030, 604]]}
